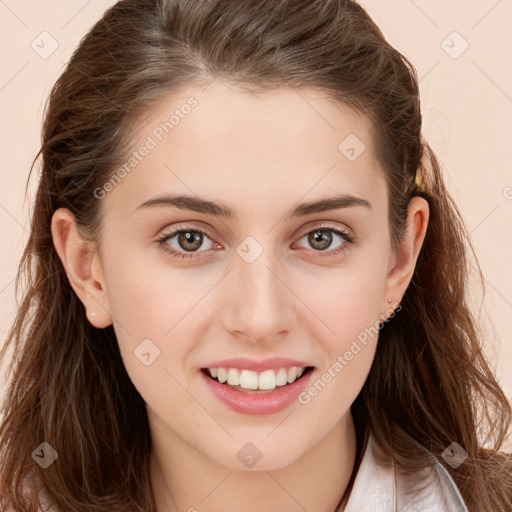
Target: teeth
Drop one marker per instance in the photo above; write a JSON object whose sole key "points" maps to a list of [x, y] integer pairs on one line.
{"points": [[267, 380], [292, 374], [233, 377], [222, 375], [281, 377], [247, 379]]}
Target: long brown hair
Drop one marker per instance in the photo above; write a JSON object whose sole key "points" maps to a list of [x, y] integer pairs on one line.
{"points": [[429, 383]]}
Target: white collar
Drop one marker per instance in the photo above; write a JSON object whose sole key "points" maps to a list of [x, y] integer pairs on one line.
{"points": [[378, 489]]}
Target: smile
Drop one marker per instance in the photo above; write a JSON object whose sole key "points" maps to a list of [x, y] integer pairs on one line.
{"points": [[267, 392], [250, 380]]}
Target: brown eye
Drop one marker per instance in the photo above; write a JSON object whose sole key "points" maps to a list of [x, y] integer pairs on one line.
{"points": [[184, 240], [322, 238], [190, 240]]}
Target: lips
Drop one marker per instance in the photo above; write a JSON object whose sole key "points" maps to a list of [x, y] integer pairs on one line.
{"points": [[255, 400]]}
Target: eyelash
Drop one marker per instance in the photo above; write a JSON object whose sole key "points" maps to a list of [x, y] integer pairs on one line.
{"points": [[347, 237]]}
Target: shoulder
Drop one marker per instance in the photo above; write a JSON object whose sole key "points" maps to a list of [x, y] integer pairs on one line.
{"points": [[379, 487]]}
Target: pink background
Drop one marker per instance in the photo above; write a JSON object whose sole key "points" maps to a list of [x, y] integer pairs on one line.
{"points": [[466, 101]]}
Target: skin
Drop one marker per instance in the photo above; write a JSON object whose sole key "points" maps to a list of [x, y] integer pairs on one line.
{"points": [[260, 155]]}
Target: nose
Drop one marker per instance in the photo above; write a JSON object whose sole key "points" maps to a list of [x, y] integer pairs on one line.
{"points": [[259, 305]]}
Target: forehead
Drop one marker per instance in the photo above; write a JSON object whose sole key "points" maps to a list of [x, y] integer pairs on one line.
{"points": [[248, 149]]}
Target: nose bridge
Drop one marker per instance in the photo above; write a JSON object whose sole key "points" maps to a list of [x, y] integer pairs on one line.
{"points": [[262, 305]]}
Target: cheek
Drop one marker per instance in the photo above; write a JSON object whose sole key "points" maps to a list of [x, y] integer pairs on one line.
{"points": [[149, 299], [349, 310], [347, 305], [149, 309], [332, 391], [346, 300]]}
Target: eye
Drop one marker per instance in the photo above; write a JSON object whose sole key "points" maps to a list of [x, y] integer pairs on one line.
{"points": [[184, 240], [321, 238]]}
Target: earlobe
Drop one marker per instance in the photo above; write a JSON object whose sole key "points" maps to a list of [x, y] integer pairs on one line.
{"points": [[82, 265], [406, 254]]}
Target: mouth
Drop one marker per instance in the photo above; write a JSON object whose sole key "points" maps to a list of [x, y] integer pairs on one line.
{"points": [[251, 382]]}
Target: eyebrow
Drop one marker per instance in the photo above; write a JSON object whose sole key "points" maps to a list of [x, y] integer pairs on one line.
{"points": [[218, 209]]}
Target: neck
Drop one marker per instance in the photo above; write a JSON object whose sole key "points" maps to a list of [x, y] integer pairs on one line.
{"points": [[184, 479]]}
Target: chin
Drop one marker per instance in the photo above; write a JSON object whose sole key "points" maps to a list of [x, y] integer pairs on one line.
{"points": [[253, 456]]}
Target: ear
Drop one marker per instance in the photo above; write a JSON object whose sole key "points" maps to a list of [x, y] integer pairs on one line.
{"points": [[83, 267], [403, 261]]}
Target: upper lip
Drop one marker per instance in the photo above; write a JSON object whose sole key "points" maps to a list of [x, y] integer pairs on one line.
{"points": [[244, 363]]}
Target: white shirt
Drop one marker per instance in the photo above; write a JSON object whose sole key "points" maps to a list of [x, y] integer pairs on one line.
{"points": [[379, 489]]}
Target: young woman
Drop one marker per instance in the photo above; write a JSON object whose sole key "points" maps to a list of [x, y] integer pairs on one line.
{"points": [[246, 280]]}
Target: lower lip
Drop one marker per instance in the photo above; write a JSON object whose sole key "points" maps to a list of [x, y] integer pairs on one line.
{"points": [[260, 403]]}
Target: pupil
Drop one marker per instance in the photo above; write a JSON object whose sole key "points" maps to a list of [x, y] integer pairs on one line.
{"points": [[189, 237], [320, 237]]}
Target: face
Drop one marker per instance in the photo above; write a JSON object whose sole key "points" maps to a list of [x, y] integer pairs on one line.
{"points": [[186, 289]]}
